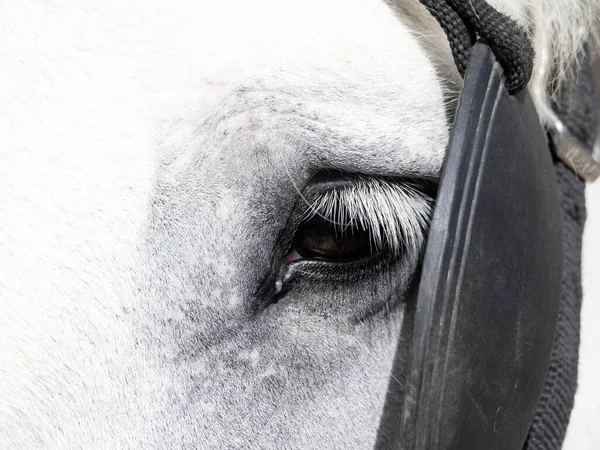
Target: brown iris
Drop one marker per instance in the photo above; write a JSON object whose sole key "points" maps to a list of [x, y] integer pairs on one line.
{"points": [[319, 238]]}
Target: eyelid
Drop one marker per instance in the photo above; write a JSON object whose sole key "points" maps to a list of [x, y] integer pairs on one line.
{"points": [[396, 211]]}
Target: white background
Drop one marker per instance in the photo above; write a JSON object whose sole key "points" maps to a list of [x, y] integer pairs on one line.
{"points": [[584, 429]]}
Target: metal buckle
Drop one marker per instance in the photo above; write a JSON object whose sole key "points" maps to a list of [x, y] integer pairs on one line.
{"points": [[573, 152]]}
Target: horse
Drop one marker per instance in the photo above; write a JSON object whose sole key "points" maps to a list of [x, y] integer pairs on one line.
{"points": [[212, 213]]}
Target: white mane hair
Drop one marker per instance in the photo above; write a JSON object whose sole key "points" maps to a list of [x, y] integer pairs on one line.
{"points": [[560, 28], [150, 157]]}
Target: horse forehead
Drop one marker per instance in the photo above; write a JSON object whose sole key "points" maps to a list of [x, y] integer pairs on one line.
{"points": [[232, 24], [170, 43], [156, 57]]}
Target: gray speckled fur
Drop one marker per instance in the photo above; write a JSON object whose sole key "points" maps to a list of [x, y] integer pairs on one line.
{"points": [[308, 372], [151, 157]]}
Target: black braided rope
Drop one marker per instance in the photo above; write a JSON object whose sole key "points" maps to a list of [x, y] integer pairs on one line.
{"points": [[465, 20]]}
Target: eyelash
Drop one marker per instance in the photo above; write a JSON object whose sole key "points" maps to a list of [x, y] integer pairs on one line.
{"points": [[397, 215]]}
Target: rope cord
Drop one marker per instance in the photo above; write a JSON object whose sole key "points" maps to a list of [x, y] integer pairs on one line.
{"points": [[464, 21]]}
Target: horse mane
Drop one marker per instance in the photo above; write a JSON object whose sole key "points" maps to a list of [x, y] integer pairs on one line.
{"points": [[560, 29]]}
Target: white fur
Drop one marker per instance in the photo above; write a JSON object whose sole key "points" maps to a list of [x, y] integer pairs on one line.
{"points": [[113, 123]]}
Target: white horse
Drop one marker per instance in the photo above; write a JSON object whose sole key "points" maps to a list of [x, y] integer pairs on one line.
{"points": [[159, 287]]}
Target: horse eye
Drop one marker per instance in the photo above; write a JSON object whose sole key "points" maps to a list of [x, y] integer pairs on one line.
{"points": [[319, 238]]}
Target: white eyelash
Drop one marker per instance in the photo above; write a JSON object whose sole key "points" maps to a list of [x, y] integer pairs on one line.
{"points": [[396, 214]]}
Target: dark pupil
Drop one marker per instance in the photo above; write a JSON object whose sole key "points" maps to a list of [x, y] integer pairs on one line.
{"points": [[320, 238]]}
